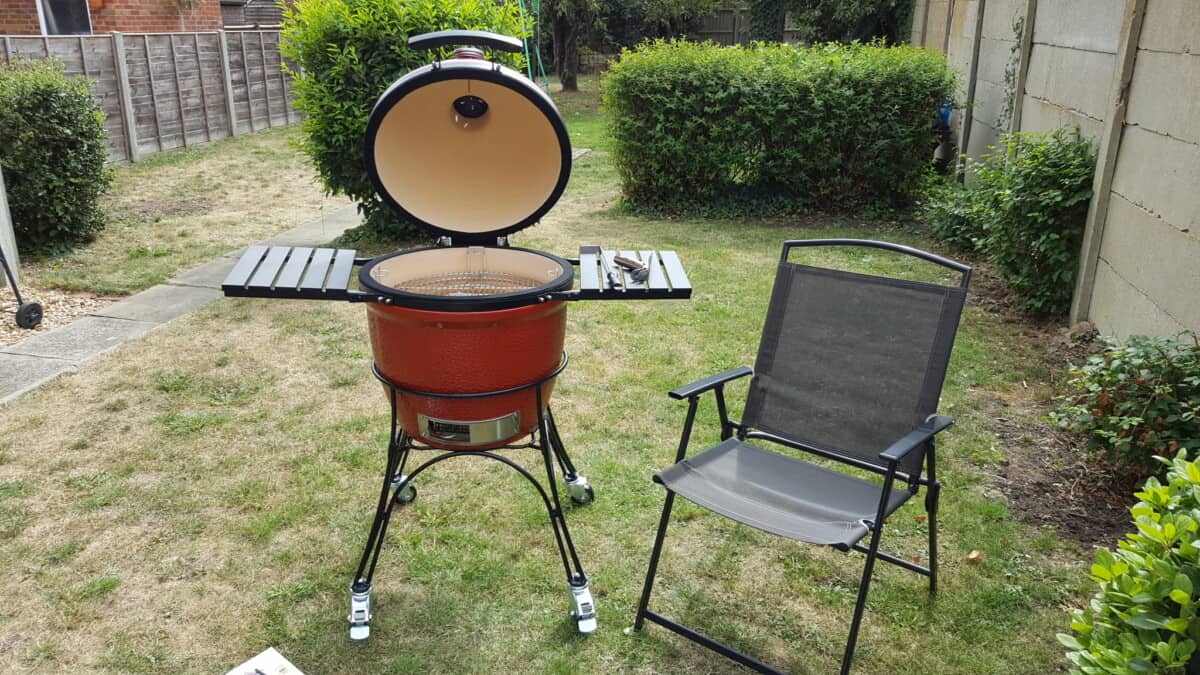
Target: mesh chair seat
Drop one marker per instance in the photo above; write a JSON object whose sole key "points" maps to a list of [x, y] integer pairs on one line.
{"points": [[781, 495]]}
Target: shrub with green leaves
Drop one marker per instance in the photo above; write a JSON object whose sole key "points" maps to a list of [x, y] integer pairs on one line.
{"points": [[1137, 400], [345, 53], [699, 128], [1143, 619], [955, 215], [52, 150], [1024, 210]]}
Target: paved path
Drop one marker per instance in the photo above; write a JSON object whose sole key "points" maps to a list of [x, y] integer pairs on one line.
{"points": [[29, 364]]}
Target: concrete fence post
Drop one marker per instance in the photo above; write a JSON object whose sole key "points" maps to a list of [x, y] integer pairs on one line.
{"points": [[128, 121], [1106, 159], [964, 138], [8, 239], [1014, 123], [223, 43]]}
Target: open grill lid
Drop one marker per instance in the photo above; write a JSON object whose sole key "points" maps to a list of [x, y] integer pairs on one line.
{"points": [[467, 148]]}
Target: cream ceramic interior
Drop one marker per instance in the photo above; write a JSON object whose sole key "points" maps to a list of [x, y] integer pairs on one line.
{"points": [[467, 175], [466, 271]]}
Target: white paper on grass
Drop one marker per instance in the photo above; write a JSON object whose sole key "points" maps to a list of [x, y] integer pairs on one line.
{"points": [[270, 662]]}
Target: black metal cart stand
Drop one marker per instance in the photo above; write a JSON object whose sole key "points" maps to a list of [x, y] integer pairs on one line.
{"points": [[303, 273], [398, 489]]}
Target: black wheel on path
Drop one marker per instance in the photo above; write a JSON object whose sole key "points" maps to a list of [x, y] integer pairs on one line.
{"points": [[29, 315]]}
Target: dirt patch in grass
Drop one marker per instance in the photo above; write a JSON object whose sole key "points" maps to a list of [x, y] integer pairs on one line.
{"points": [[1049, 481], [1048, 477]]}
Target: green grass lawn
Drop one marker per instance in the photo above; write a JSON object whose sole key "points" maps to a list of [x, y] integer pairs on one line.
{"points": [[204, 493]]}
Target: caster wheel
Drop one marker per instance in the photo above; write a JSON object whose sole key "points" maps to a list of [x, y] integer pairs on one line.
{"points": [[580, 490], [583, 608], [407, 494], [29, 315], [360, 614], [585, 496]]}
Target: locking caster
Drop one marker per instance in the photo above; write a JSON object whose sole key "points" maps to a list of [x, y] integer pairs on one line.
{"points": [[583, 608], [405, 495], [579, 489], [360, 613]]}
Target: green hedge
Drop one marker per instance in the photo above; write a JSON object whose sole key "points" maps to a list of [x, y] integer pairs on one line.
{"points": [[1144, 617], [52, 152], [345, 53], [773, 128]]}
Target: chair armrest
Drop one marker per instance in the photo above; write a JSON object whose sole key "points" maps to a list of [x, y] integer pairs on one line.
{"points": [[913, 439], [700, 386]]}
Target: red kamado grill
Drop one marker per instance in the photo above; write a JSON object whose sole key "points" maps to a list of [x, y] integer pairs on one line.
{"points": [[467, 335]]}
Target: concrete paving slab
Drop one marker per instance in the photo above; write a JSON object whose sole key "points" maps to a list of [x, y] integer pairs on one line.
{"points": [[208, 275], [82, 339], [160, 304], [20, 373], [329, 226]]}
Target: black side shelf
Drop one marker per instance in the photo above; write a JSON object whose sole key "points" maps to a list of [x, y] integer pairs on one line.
{"points": [[302, 273], [600, 278], [298, 273]]}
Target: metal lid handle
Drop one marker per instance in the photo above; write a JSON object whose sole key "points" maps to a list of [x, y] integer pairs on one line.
{"points": [[457, 38]]}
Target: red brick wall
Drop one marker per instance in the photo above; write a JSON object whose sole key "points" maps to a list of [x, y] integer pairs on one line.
{"points": [[153, 16], [19, 17]]}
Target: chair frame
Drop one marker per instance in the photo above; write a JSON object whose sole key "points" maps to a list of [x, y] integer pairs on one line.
{"points": [[922, 436]]}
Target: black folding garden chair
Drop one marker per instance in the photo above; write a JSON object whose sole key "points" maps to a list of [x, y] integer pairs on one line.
{"points": [[850, 368]]}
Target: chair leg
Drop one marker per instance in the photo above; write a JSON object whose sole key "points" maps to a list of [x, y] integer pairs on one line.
{"points": [[859, 606], [931, 508], [654, 555]]}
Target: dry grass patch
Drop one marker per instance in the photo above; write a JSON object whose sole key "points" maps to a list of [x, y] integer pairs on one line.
{"points": [[181, 208]]}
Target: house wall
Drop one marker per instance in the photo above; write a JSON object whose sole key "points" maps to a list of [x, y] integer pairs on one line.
{"points": [[1140, 269], [19, 17]]}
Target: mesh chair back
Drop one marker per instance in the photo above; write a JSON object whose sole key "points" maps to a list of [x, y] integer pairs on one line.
{"points": [[851, 362]]}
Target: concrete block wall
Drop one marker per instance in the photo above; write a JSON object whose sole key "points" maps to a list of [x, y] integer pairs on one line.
{"points": [[1071, 64], [1146, 217], [1148, 268], [997, 46]]}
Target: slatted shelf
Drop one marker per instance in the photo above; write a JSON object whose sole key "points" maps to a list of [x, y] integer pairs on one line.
{"points": [[602, 279], [304, 273], [297, 273]]}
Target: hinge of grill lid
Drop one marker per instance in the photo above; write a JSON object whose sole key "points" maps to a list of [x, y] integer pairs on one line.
{"points": [[446, 242]]}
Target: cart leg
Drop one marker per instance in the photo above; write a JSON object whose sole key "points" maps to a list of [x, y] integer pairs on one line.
{"points": [[578, 488], [583, 607], [396, 489]]}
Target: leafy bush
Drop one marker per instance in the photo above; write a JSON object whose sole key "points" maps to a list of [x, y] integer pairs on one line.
{"points": [[345, 53], [1137, 400], [1025, 210], [53, 153], [955, 215], [1143, 619], [699, 128]]}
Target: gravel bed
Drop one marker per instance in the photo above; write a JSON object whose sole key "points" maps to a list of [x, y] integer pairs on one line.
{"points": [[59, 308]]}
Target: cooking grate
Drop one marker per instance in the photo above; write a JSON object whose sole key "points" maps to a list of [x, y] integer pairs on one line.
{"points": [[467, 284]]}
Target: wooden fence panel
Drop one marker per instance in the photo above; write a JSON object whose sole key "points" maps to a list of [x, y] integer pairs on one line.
{"points": [[175, 82], [89, 56]]}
